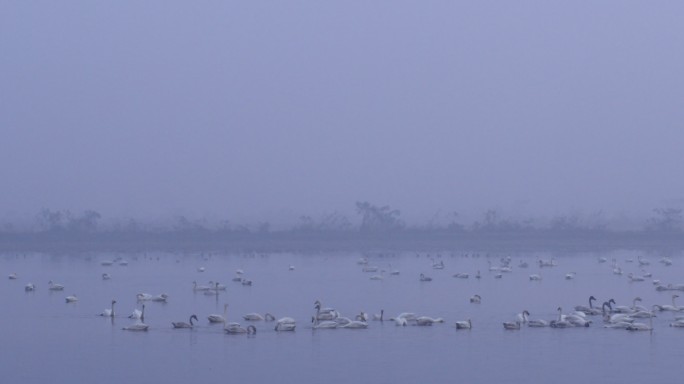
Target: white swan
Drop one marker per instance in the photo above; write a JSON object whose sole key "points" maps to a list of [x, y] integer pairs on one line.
{"points": [[425, 278], [522, 316], [561, 322], [400, 321], [425, 320], [476, 299], [461, 275], [327, 324], [285, 324], [196, 287], [183, 324], [641, 326], [139, 325], [570, 276], [136, 314], [535, 277], [30, 287], [464, 324], [105, 276], [511, 325], [218, 318], [590, 310], [55, 287], [253, 317], [160, 298], [537, 323], [236, 329], [12, 276], [379, 317], [666, 307], [71, 299], [678, 324], [109, 312], [143, 296]]}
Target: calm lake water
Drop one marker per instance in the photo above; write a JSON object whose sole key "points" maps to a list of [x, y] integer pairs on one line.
{"points": [[47, 340]]}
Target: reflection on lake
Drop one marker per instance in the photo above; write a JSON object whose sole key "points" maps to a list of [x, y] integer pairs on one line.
{"points": [[46, 339]]}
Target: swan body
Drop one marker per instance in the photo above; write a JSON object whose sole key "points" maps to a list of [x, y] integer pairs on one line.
{"points": [[30, 287], [635, 278], [105, 276], [641, 326], [218, 318], [71, 299], [143, 296], [182, 324], [570, 276], [590, 310], [425, 278], [510, 325], [355, 325], [522, 316], [12, 276], [109, 312], [461, 275], [55, 287], [137, 327], [236, 329], [253, 317], [535, 277], [537, 323], [476, 299], [136, 314], [196, 287], [678, 324], [161, 298], [464, 324], [328, 324], [285, 324], [400, 321], [370, 268], [425, 320], [672, 308], [377, 277]]}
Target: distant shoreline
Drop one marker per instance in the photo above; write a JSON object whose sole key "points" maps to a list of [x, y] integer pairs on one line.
{"points": [[348, 241]]}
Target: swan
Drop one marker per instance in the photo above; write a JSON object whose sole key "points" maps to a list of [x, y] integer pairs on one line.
{"points": [[30, 287], [236, 329], [105, 276], [269, 317], [511, 325], [363, 316], [590, 310], [522, 316], [439, 265], [461, 275], [464, 324], [425, 320], [107, 263], [643, 262], [370, 268], [325, 313], [183, 324], [570, 276], [71, 299], [143, 296], [109, 312], [379, 317], [666, 260], [621, 308], [537, 323], [219, 318], [253, 317], [377, 277], [634, 278], [476, 299], [139, 325], [641, 326], [666, 307], [560, 323], [285, 324], [12, 276], [678, 324], [136, 314], [535, 277], [478, 276], [291, 267], [523, 264], [196, 287], [355, 325], [161, 298], [400, 321], [327, 324], [201, 269], [425, 278], [246, 282], [55, 287]]}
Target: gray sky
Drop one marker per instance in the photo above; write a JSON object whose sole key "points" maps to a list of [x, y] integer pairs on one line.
{"points": [[273, 109]]}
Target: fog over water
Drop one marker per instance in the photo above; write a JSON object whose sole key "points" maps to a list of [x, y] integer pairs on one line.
{"points": [[260, 110]]}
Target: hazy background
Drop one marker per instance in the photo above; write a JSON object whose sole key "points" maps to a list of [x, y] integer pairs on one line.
{"points": [[268, 110]]}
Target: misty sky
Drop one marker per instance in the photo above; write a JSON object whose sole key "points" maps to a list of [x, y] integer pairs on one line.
{"points": [[264, 109]]}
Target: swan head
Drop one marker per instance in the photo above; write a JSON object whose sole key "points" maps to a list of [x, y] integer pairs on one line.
{"points": [[194, 317], [526, 312], [611, 301], [592, 298]]}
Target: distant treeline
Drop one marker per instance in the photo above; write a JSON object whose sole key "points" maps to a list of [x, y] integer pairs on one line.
{"points": [[378, 227]]}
